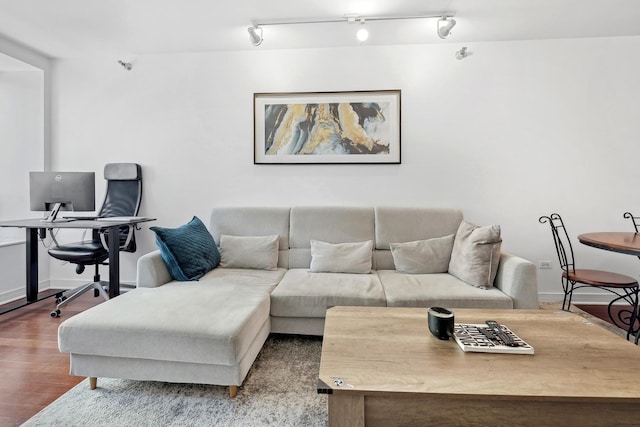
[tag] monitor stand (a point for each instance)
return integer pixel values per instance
(52, 217)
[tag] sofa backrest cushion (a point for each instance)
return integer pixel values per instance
(297, 226)
(352, 257)
(253, 221)
(407, 224)
(332, 224)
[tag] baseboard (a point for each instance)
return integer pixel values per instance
(579, 298)
(20, 292)
(72, 284)
(12, 295)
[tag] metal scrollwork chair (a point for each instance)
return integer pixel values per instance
(634, 219)
(624, 287)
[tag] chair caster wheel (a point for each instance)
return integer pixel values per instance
(60, 299)
(55, 313)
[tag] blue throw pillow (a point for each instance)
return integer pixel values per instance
(189, 251)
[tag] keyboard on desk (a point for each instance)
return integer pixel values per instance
(120, 218)
(80, 218)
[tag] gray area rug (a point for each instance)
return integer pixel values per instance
(280, 390)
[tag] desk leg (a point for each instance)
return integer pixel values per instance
(32, 264)
(114, 261)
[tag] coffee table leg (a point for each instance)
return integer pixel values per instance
(346, 410)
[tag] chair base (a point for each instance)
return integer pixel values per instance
(624, 318)
(75, 293)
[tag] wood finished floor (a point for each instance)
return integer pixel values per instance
(34, 373)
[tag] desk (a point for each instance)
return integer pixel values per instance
(33, 225)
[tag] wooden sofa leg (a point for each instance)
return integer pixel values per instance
(93, 383)
(233, 391)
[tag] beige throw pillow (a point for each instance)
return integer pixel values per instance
(476, 254)
(341, 257)
(423, 256)
(257, 252)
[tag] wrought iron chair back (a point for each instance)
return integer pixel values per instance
(634, 219)
(564, 249)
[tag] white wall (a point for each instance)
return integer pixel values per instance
(13, 267)
(514, 131)
(21, 133)
(24, 121)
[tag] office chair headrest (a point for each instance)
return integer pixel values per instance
(122, 171)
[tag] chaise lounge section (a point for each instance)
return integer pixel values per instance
(210, 331)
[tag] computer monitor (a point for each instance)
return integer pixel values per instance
(55, 191)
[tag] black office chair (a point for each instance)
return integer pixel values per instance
(122, 198)
(624, 287)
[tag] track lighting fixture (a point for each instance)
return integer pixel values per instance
(126, 65)
(255, 35)
(462, 53)
(363, 33)
(445, 25)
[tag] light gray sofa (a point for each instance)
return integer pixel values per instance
(210, 331)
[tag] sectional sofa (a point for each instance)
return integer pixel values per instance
(279, 270)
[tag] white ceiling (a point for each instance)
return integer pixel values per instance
(80, 28)
(8, 63)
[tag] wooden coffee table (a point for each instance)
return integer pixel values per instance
(382, 367)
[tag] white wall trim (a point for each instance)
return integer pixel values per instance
(579, 297)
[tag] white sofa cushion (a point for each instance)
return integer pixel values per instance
(428, 290)
(335, 224)
(255, 252)
(476, 254)
(253, 221)
(423, 256)
(404, 224)
(350, 257)
(394, 224)
(241, 279)
(184, 323)
(302, 293)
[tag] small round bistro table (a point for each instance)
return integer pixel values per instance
(625, 242)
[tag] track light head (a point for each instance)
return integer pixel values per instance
(126, 65)
(462, 53)
(255, 35)
(444, 26)
(362, 34)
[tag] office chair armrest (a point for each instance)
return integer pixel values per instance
(105, 245)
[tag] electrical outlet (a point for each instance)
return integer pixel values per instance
(544, 265)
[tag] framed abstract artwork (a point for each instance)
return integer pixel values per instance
(327, 127)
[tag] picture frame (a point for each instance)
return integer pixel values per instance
(351, 127)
